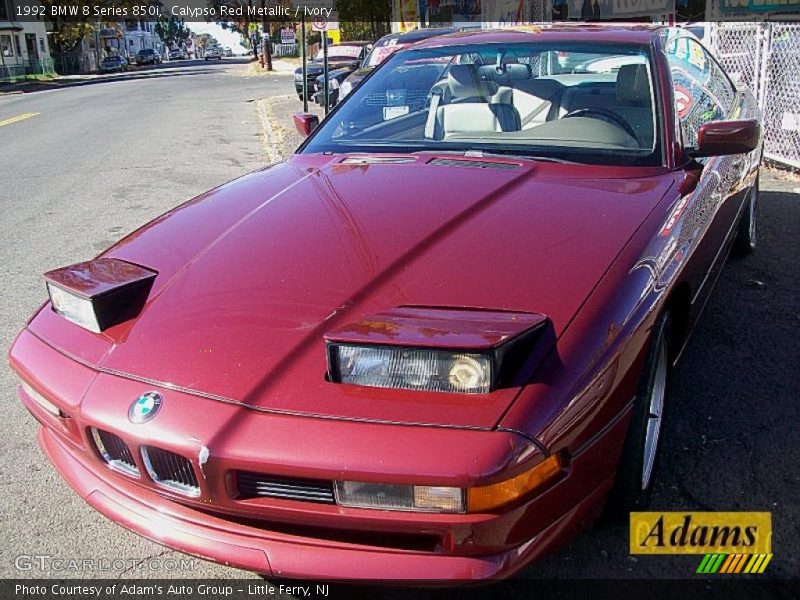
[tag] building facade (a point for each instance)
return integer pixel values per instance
(141, 35)
(24, 49)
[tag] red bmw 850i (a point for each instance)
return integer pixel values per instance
(433, 344)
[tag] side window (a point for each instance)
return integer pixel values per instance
(702, 91)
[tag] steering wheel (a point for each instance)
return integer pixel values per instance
(605, 115)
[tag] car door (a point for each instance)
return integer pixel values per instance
(703, 93)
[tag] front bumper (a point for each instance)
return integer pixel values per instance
(292, 538)
(255, 549)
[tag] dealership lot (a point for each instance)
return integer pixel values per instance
(92, 163)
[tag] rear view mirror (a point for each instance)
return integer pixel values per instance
(305, 123)
(721, 138)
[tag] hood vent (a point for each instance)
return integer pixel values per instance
(473, 164)
(378, 160)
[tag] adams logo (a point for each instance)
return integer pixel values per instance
(701, 533)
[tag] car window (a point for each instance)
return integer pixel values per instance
(381, 52)
(509, 98)
(702, 91)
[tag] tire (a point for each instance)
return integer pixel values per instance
(747, 236)
(639, 461)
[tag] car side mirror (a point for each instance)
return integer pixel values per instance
(305, 123)
(721, 138)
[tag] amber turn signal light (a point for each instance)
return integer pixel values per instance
(488, 497)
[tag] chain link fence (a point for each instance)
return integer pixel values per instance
(766, 58)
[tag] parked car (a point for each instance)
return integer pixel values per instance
(177, 54)
(383, 48)
(227, 52)
(213, 52)
(113, 63)
(347, 55)
(458, 357)
(148, 56)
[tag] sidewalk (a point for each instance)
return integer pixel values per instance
(279, 137)
(24, 87)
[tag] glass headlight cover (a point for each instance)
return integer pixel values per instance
(74, 308)
(420, 498)
(412, 368)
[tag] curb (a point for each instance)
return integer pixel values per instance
(272, 137)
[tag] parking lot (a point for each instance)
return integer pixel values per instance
(133, 148)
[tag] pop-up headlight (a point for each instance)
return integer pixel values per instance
(99, 293)
(412, 369)
(429, 349)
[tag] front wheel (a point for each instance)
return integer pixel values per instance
(637, 468)
(746, 237)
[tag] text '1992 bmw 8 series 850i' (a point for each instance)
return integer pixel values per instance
(433, 344)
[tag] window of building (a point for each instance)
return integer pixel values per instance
(18, 44)
(3, 11)
(5, 45)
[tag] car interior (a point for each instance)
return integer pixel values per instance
(508, 101)
(484, 101)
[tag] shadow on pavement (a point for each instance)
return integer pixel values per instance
(170, 69)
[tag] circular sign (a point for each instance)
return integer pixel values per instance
(683, 101)
(145, 407)
(320, 23)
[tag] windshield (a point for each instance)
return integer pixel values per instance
(334, 52)
(523, 99)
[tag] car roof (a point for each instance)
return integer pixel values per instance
(636, 33)
(417, 35)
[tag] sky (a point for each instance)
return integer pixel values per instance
(224, 37)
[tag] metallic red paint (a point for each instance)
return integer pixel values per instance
(727, 137)
(252, 276)
(426, 327)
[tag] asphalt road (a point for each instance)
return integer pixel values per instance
(99, 159)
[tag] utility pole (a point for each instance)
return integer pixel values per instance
(303, 50)
(325, 66)
(265, 28)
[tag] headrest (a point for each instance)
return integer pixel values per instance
(464, 82)
(633, 85)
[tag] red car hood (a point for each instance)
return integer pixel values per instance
(253, 274)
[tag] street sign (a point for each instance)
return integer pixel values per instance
(288, 36)
(329, 23)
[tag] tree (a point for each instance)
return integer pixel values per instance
(172, 31)
(364, 19)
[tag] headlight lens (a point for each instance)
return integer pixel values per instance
(420, 498)
(333, 84)
(74, 308)
(412, 369)
(298, 77)
(345, 89)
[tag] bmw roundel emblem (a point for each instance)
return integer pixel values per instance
(145, 407)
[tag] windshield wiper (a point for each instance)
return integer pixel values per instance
(516, 154)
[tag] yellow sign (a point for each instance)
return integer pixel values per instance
(700, 532)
